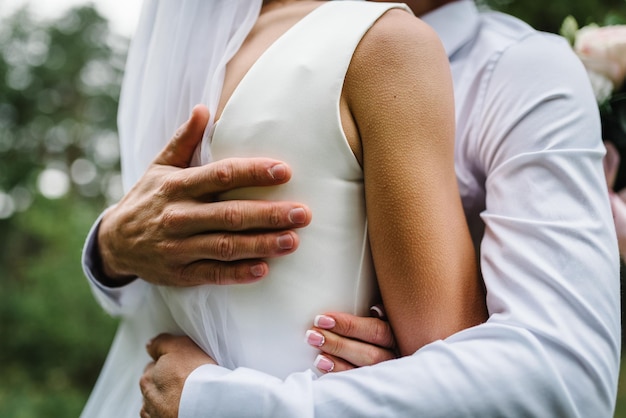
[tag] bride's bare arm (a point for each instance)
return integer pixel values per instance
(399, 92)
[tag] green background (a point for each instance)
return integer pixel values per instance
(59, 83)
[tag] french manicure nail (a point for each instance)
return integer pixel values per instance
(324, 363)
(377, 312)
(324, 322)
(297, 216)
(278, 172)
(314, 338)
(285, 242)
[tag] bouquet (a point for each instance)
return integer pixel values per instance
(602, 49)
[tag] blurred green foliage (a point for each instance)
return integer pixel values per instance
(58, 168)
(548, 15)
(59, 83)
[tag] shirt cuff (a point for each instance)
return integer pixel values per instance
(191, 399)
(212, 390)
(116, 300)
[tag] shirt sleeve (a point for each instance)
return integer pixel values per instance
(549, 260)
(549, 253)
(482, 372)
(117, 301)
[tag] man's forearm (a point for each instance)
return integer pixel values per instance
(487, 371)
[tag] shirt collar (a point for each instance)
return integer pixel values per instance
(455, 23)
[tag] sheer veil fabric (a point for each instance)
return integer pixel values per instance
(177, 60)
(156, 98)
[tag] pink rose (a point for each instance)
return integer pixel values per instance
(603, 51)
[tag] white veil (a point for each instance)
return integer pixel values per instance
(177, 59)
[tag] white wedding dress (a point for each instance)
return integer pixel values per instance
(287, 108)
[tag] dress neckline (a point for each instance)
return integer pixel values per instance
(262, 57)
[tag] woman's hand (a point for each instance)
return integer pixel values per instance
(349, 341)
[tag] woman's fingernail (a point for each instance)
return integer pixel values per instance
(324, 322)
(324, 364)
(314, 338)
(377, 312)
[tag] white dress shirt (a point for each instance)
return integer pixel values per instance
(529, 167)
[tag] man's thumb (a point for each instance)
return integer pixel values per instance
(180, 149)
(158, 346)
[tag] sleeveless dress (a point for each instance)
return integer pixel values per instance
(286, 107)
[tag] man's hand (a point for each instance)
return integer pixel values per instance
(169, 229)
(163, 379)
(349, 341)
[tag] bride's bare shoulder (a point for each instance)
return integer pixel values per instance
(398, 50)
(399, 33)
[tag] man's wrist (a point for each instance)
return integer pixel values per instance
(102, 274)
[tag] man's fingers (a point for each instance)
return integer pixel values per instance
(144, 413)
(149, 367)
(226, 258)
(146, 385)
(234, 216)
(223, 273)
(234, 247)
(148, 389)
(369, 330)
(221, 258)
(231, 259)
(213, 272)
(234, 173)
(158, 346)
(240, 215)
(179, 150)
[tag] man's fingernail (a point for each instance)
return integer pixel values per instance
(324, 363)
(257, 270)
(278, 172)
(324, 322)
(285, 242)
(297, 216)
(314, 338)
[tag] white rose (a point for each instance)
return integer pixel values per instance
(603, 50)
